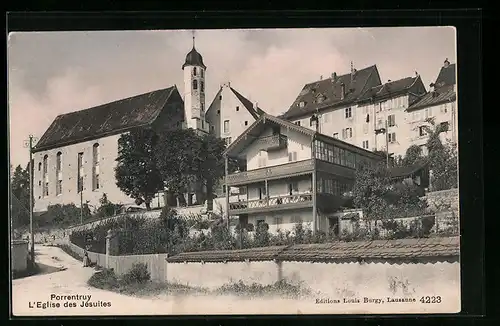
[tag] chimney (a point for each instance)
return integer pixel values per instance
(321, 77)
(353, 71)
(255, 105)
(446, 63)
(342, 91)
(334, 77)
(431, 85)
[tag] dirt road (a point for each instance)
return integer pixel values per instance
(46, 295)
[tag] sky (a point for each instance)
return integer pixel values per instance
(51, 73)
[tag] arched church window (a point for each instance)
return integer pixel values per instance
(195, 84)
(201, 73)
(202, 86)
(194, 71)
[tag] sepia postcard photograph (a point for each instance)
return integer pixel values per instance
(234, 172)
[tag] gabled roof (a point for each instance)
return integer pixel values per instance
(105, 119)
(447, 76)
(442, 95)
(256, 113)
(389, 89)
(331, 89)
(255, 130)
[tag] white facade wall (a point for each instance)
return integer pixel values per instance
(297, 143)
(108, 147)
(229, 109)
(445, 112)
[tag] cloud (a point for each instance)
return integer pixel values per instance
(29, 114)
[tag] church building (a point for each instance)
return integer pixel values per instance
(75, 158)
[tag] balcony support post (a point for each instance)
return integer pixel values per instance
(226, 167)
(267, 192)
(314, 197)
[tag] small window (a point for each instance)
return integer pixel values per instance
(302, 104)
(220, 97)
(392, 137)
(218, 111)
(195, 71)
(421, 131)
(348, 113)
(391, 120)
(202, 86)
(365, 144)
(212, 128)
(226, 126)
(40, 166)
(297, 123)
(195, 84)
(347, 133)
(237, 108)
(246, 123)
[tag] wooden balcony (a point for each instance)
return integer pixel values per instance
(271, 204)
(272, 143)
(273, 172)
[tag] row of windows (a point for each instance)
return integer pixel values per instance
(195, 85)
(44, 182)
(337, 155)
(195, 72)
(327, 185)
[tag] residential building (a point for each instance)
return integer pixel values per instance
(293, 174)
(231, 113)
(440, 103)
(383, 126)
(75, 158)
(329, 106)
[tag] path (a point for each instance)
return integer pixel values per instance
(72, 281)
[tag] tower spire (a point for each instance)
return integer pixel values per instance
(193, 38)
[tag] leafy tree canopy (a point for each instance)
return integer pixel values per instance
(136, 172)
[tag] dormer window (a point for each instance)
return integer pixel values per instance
(302, 104)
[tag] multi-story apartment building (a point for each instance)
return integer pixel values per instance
(293, 175)
(359, 109)
(231, 113)
(333, 102)
(383, 126)
(439, 104)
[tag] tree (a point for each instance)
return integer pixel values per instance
(443, 158)
(20, 190)
(178, 159)
(185, 158)
(136, 172)
(413, 155)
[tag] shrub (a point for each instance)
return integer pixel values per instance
(105, 279)
(137, 274)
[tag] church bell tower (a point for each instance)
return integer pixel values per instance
(194, 90)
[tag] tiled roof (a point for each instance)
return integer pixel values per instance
(254, 254)
(447, 76)
(403, 171)
(442, 95)
(391, 88)
(437, 248)
(256, 113)
(105, 119)
(331, 92)
(194, 58)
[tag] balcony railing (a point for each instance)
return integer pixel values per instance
(273, 172)
(273, 203)
(274, 142)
